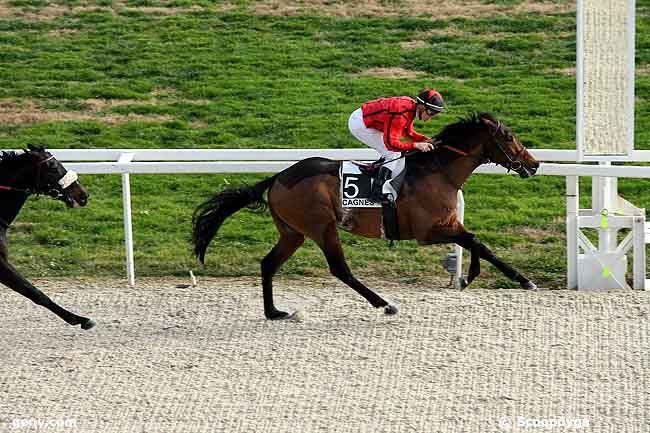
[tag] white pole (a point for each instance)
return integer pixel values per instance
(639, 256)
(460, 209)
(605, 196)
(580, 84)
(572, 207)
(128, 224)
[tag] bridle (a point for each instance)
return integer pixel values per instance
(513, 161)
(56, 191)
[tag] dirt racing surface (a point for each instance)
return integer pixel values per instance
(203, 359)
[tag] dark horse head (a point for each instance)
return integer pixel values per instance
(36, 171)
(486, 139)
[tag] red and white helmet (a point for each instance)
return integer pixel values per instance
(432, 100)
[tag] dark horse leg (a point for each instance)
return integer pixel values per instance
(10, 277)
(330, 244)
(478, 250)
(286, 246)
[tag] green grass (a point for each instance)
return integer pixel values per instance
(230, 79)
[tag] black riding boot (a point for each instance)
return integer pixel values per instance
(383, 174)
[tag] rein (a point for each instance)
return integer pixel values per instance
(413, 152)
(453, 149)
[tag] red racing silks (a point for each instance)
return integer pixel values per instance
(394, 117)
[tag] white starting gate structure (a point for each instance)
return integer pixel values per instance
(604, 133)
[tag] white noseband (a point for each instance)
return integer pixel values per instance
(69, 178)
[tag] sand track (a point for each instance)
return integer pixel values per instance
(164, 359)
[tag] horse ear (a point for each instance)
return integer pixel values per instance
(34, 148)
(492, 126)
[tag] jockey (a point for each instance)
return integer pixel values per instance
(380, 124)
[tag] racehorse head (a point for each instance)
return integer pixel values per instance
(485, 139)
(505, 149)
(36, 171)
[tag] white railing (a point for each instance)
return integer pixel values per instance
(172, 161)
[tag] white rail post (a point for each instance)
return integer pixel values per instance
(460, 209)
(126, 158)
(572, 208)
(639, 256)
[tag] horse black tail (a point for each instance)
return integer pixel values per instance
(209, 216)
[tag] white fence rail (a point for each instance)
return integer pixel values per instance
(185, 161)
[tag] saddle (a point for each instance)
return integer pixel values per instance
(388, 206)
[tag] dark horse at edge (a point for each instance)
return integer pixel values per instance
(305, 201)
(34, 171)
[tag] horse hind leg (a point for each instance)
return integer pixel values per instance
(330, 244)
(10, 277)
(281, 252)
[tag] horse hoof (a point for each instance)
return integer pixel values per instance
(88, 324)
(462, 283)
(296, 316)
(391, 310)
(529, 285)
(279, 315)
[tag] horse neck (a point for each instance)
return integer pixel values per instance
(460, 169)
(12, 202)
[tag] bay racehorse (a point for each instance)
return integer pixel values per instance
(305, 201)
(34, 171)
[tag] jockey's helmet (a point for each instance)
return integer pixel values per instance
(432, 101)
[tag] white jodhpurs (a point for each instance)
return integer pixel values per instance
(375, 140)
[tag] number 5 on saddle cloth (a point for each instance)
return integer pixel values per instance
(361, 186)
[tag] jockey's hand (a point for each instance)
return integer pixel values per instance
(423, 146)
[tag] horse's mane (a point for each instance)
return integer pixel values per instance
(8, 157)
(456, 135)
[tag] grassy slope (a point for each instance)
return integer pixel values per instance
(235, 80)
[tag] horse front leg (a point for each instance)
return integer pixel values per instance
(478, 249)
(456, 233)
(11, 278)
